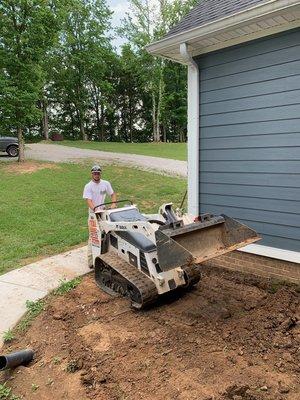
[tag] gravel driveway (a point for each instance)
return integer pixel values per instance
(58, 153)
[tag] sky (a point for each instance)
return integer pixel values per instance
(119, 7)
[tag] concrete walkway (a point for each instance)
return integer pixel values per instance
(59, 153)
(34, 281)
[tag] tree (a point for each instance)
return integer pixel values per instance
(80, 60)
(146, 23)
(27, 31)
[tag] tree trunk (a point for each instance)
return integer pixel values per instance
(130, 120)
(45, 124)
(102, 123)
(164, 133)
(82, 130)
(21, 145)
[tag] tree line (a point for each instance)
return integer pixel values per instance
(61, 74)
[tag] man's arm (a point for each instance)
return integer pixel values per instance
(113, 199)
(90, 204)
(87, 195)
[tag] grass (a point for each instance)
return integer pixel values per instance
(176, 151)
(67, 286)
(34, 387)
(72, 366)
(42, 212)
(34, 308)
(8, 336)
(56, 360)
(6, 393)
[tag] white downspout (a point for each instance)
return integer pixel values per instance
(193, 131)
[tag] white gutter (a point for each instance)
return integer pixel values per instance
(246, 16)
(193, 131)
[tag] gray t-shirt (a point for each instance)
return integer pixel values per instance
(97, 191)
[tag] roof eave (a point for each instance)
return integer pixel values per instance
(260, 11)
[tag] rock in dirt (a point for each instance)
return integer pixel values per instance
(87, 378)
(282, 388)
(264, 388)
(288, 324)
(235, 390)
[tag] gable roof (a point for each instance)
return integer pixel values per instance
(211, 10)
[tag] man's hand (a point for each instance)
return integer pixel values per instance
(113, 205)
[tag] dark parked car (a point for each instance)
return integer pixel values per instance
(9, 145)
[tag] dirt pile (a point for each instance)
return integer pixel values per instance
(225, 340)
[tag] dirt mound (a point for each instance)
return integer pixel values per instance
(225, 340)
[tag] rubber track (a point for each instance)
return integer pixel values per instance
(136, 278)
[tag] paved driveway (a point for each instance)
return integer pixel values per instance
(58, 153)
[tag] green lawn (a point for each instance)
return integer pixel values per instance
(42, 213)
(176, 151)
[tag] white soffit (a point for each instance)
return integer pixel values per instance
(262, 20)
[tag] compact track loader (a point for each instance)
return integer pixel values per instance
(143, 257)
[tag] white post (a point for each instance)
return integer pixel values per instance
(193, 131)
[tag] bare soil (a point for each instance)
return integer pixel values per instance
(230, 338)
(28, 167)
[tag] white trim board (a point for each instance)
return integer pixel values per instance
(193, 130)
(272, 252)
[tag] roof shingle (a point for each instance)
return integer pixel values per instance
(210, 10)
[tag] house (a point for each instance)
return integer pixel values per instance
(243, 59)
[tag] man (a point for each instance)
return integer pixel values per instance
(94, 193)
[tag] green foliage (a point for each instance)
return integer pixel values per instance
(8, 336)
(34, 387)
(56, 360)
(49, 382)
(163, 84)
(14, 397)
(51, 215)
(72, 366)
(59, 72)
(81, 62)
(5, 392)
(34, 308)
(67, 286)
(27, 30)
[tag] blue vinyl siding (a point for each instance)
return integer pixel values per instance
(250, 136)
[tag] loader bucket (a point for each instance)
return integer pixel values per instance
(201, 241)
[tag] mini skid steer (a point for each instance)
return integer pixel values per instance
(142, 256)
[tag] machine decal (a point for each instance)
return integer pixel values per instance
(94, 233)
